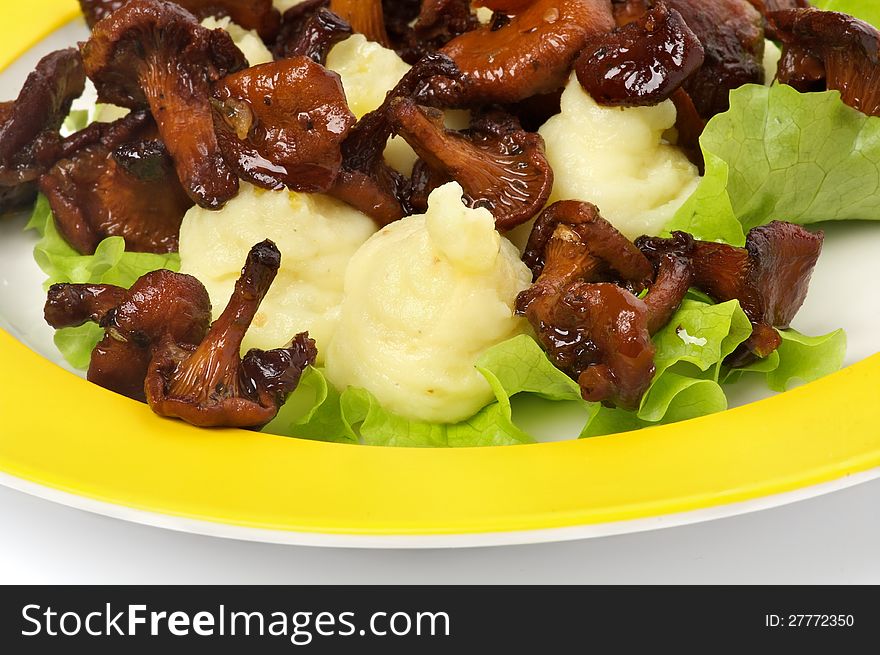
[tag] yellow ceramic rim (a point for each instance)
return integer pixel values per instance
(64, 433)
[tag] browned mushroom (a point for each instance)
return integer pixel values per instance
(607, 246)
(259, 15)
(505, 6)
(530, 55)
(311, 30)
(282, 124)
(364, 16)
(29, 126)
(499, 165)
(770, 276)
(400, 16)
(593, 329)
(209, 384)
(366, 181)
(122, 185)
(154, 53)
(827, 50)
(642, 63)
(440, 21)
(732, 35)
(160, 303)
(416, 29)
(766, 7)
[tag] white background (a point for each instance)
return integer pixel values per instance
(831, 539)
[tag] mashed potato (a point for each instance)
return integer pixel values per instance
(617, 159)
(369, 71)
(424, 298)
(317, 237)
(250, 43)
(772, 55)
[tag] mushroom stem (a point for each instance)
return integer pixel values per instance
(674, 277)
(365, 16)
(72, 305)
(601, 238)
(213, 368)
(180, 106)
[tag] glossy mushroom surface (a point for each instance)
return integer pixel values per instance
(124, 184)
(531, 54)
(641, 63)
(160, 304)
(365, 17)
(583, 306)
(366, 181)
(499, 165)
(209, 384)
(155, 54)
(311, 30)
(259, 15)
(732, 35)
(828, 50)
(770, 277)
(29, 126)
(282, 124)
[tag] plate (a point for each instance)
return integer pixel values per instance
(65, 439)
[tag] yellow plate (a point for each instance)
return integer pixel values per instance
(60, 432)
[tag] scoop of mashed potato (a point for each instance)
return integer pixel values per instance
(617, 159)
(250, 43)
(317, 237)
(424, 298)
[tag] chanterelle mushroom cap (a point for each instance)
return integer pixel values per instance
(641, 63)
(160, 304)
(124, 184)
(29, 139)
(770, 276)
(209, 385)
(732, 34)
(154, 53)
(259, 15)
(366, 181)
(592, 328)
(499, 165)
(311, 30)
(530, 55)
(826, 49)
(440, 21)
(766, 7)
(283, 123)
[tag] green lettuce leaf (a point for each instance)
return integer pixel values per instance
(690, 352)
(780, 154)
(799, 360)
(519, 366)
(111, 264)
